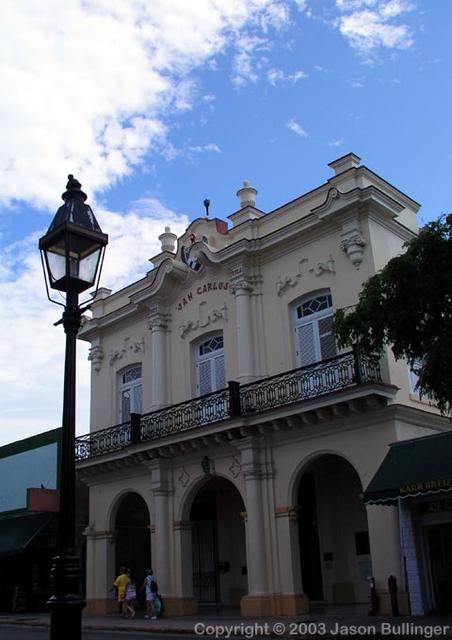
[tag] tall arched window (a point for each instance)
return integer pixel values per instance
(312, 320)
(130, 392)
(209, 363)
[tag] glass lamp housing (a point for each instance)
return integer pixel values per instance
(72, 257)
(74, 244)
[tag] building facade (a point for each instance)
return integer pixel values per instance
(231, 440)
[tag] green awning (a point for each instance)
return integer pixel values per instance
(413, 468)
(17, 532)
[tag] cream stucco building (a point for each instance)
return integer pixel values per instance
(230, 440)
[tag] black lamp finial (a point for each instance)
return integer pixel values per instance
(73, 189)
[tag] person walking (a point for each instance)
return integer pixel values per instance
(151, 588)
(120, 584)
(131, 595)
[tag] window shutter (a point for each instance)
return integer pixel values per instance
(220, 381)
(327, 340)
(125, 405)
(205, 377)
(306, 344)
(137, 398)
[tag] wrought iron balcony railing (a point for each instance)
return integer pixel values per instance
(341, 372)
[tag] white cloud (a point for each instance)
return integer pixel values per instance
(357, 84)
(277, 75)
(209, 148)
(296, 127)
(32, 349)
(91, 85)
(336, 143)
(245, 66)
(370, 25)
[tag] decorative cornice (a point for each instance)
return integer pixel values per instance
(337, 201)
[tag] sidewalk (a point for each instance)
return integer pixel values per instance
(330, 621)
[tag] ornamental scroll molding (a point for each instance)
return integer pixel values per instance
(129, 345)
(204, 318)
(283, 283)
(95, 356)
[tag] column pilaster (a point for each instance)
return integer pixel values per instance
(100, 563)
(243, 288)
(257, 602)
(292, 599)
(158, 321)
(384, 538)
(162, 490)
(183, 602)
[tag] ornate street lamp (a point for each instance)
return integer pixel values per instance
(72, 254)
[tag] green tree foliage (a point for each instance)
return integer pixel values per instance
(408, 305)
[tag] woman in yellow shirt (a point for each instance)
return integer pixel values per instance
(121, 583)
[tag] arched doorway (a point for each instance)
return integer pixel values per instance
(218, 544)
(132, 536)
(333, 532)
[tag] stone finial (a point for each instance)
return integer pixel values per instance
(168, 240)
(247, 195)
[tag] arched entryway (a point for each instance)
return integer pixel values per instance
(132, 535)
(333, 532)
(218, 544)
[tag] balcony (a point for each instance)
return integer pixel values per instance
(237, 401)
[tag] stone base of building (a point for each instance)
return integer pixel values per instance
(384, 603)
(274, 605)
(180, 606)
(101, 606)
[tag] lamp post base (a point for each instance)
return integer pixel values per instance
(65, 605)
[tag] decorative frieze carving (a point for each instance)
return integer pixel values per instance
(204, 318)
(283, 283)
(324, 267)
(134, 346)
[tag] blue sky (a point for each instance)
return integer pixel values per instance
(156, 105)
